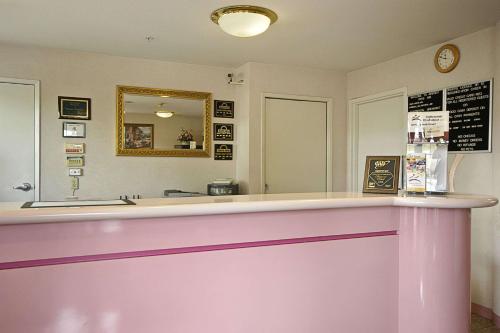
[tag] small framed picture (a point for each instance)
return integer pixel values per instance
(74, 108)
(73, 130)
(139, 136)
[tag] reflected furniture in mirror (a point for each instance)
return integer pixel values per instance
(162, 122)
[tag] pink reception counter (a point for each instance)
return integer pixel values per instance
(315, 262)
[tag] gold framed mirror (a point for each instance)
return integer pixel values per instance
(162, 122)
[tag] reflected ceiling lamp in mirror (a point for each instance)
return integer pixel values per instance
(162, 113)
(243, 20)
(153, 122)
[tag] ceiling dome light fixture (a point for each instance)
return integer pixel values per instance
(244, 21)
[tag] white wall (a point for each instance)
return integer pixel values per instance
(265, 78)
(416, 72)
(65, 73)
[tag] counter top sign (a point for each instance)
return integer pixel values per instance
(381, 174)
(470, 109)
(223, 109)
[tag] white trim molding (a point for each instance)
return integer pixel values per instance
(352, 130)
(329, 134)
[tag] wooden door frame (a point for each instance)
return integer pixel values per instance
(36, 106)
(329, 134)
(353, 130)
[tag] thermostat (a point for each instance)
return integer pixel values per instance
(74, 161)
(76, 172)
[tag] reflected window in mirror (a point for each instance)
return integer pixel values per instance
(163, 122)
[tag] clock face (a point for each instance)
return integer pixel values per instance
(446, 58)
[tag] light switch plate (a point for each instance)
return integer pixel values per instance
(74, 161)
(74, 148)
(76, 172)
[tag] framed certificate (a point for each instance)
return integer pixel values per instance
(223, 152)
(73, 130)
(74, 108)
(381, 174)
(223, 132)
(224, 109)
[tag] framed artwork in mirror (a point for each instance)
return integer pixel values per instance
(163, 122)
(139, 136)
(74, 108)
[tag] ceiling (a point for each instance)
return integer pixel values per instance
(150, 104)
(330, 34)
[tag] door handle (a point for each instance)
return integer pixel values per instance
(24, 187)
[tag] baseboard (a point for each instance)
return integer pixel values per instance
(485, 313)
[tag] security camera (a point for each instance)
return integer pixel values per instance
(230, 77)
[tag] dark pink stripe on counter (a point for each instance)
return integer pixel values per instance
(180, 250)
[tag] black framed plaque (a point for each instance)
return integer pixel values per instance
(223, 132)
(223, 152)
(381, 174)
(223, 109)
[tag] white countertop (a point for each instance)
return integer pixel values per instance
(11, 212)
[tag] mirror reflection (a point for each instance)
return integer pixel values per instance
(163, 122)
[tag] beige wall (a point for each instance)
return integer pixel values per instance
(475, 175)
(67, 73)
(416, 70)
(242, 133)
(64, 73)
(287, 80)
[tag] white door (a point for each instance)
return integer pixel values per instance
(18, 140)
(381, 130)
(296, 148)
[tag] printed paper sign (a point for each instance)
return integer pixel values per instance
(428, 127)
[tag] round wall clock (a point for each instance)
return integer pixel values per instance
(447, 58)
